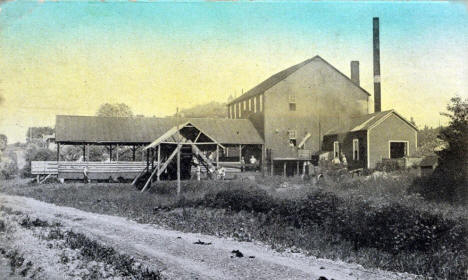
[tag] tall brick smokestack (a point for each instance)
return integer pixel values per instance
(377, 95)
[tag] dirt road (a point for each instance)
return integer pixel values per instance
(176, 255)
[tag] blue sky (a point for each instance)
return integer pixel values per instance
(70, 57)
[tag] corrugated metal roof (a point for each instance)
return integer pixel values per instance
(139, 130)
(278, 77)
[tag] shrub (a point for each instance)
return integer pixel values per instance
(36, 153)
(8, 168)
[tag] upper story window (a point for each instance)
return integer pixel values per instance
(234, 106)
(255, 104)
(240, 109)
(355, 149)
(292, 102)
(292, 137)
(245, 105)
(249, 101)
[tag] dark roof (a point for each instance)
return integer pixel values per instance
(139, 130)
(429, 160)
(365, 122)
(278, 77)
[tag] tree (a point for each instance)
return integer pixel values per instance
(449, 180)
(208, 110)
(114, 110)
(3, 142)
(39, 132)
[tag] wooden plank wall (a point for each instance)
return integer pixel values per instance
(44, 167)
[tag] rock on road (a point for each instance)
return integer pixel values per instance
(176, 255)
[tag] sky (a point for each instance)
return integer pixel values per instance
(69, 57)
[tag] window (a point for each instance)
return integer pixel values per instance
(235, 111)
(355, 149)
(245, 105)
(292, 137)
(255, 104)
(336, 149)
(292, 102)
(398, 149)
(240, 109)
(250, 104)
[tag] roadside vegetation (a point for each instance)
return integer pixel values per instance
(369, 220)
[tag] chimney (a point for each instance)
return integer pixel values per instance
(377, 96)
(355, 72)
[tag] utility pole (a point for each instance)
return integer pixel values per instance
(178, 154)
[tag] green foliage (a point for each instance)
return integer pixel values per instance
(427, 141)
(114, 110)
(8, 168)
(3, 142)
(449, 181)
(38, 132)
(36, 153)
(369, 220)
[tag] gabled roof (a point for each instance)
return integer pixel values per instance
(280, 76)
(140, 130)
(366, 122)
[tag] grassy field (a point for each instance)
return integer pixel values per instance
(368, 220)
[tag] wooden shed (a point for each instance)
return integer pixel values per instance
(367, 140)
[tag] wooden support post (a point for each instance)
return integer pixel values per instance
(117, 152)
(178, 168)
(133, 152)
(240, 153)
(142, 155)
(38, 178)
(152, 158)
(110, 152)
(284, 169)
(272, 167)
(161, 170)
(84, 152)
(298, 172)
(58, 152)
(87, 152)
(147, 158)
(263, 161)
(217, 156)
(159, 159)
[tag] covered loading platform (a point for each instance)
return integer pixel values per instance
(135, 133)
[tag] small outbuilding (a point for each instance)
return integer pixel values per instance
(428, 164)
(367, 140)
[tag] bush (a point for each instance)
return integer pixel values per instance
(8, 168)
(36, 153)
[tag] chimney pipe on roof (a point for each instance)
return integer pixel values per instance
(376, 41)
(355, 72)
